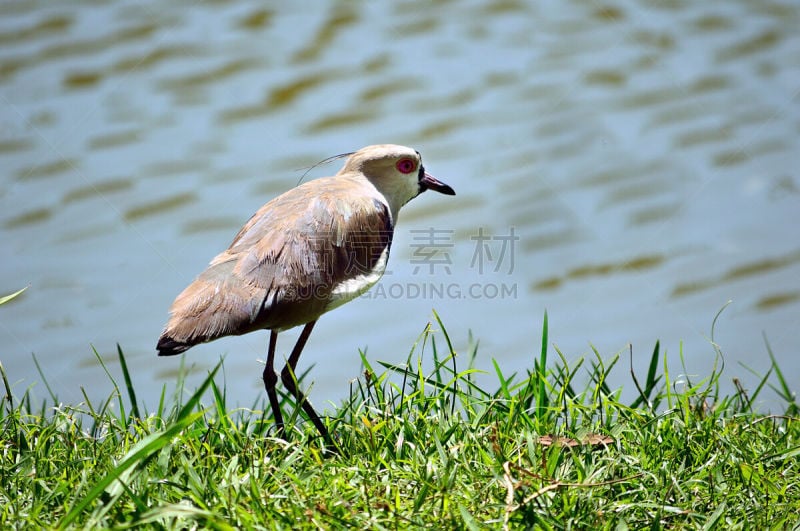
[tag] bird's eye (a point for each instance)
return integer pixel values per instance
(405, 165)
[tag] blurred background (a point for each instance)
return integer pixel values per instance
(628, 166)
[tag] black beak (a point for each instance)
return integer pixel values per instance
(429, 182)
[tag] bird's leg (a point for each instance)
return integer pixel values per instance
(270, 381)
(290, 381)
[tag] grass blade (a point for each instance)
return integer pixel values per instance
(542, 394)
(128, 384)
(14, 295)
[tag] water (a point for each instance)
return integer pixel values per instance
(629, 166)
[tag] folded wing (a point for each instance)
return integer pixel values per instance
(283, 266)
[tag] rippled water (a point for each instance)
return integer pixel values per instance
(628, 166)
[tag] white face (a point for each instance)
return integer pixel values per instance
(393, 170)
(396, 172)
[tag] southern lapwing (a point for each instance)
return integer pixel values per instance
(302, 254)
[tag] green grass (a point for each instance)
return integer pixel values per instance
(416, 449)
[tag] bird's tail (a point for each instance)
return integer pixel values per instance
(169, 347)
(218, 303)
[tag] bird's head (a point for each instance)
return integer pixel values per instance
(396, 171)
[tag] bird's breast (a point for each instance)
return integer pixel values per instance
(357, 284)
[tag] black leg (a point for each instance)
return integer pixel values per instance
(290, 381)
(270, 381)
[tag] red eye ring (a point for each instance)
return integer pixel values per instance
(406, 165)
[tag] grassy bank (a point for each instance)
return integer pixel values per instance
(415, 450)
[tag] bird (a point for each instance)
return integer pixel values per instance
(302, 254)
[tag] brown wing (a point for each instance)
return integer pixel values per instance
(282, 266)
